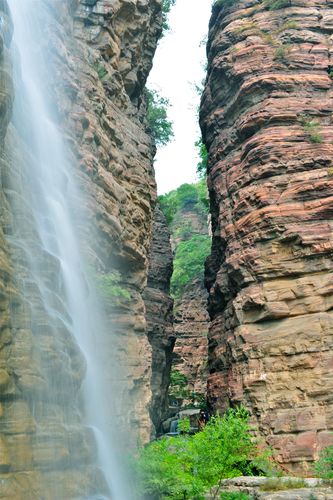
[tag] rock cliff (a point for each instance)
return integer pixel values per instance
(159, 313)
(99, 56)
(266, 117)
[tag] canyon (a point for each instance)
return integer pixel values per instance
(266, 119)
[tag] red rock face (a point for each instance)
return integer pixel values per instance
(267, 121)
(159, 315)
(191, 326)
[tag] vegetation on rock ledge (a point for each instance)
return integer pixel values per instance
(186, 466)
(160, 126)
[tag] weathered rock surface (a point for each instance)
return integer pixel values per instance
(191, 319)
(103, 51)
(159, 314)
(191, 348)
(267, 121)
(286, 488)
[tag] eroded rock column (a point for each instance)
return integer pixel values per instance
(267, 121)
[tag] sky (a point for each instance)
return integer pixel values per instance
(178, 67)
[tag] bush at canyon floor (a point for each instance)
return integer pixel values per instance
(189, 466)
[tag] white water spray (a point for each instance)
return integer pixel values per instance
(53, 193)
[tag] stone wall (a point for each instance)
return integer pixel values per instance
(266, 117)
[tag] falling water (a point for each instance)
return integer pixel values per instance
(68, 303)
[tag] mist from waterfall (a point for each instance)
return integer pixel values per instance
(51, 193)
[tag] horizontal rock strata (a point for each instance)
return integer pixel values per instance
(159, 314)
(99, 56)
(267, 121)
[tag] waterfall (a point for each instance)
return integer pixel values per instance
(53, 280)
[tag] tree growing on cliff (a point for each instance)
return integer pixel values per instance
(166, 7)
(203, 159)
(157, 117)
(185, 466)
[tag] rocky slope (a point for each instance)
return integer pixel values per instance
(266, 117)
(103, 51)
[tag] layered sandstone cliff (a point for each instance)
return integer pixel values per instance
(266, 117)
(191, 319)
(159, 313)
(99, 55)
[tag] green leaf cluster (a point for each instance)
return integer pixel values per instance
(324, 465)
(230, 495)
(224, 3)
(312, 129)
(189, 262)
(184, 466)
(203, 155)
(178, 387)
(109, 285)
(157, 117)
(187, 195)
(277, 4)
(166, 7)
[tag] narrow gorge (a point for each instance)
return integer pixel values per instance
(112, 320)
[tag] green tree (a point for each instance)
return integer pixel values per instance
(160, 126)
(324, 465)
(166, 7)
(190, 466)
(189, 262)
(203, 159)
(194, 195)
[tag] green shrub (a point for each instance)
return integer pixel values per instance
(100, 69)
(281, 53)
(324, 465)
(224, 3)
(189, 262)
(230, 495)
(312, 129)
(166, 7)
(157, 117)
(203, 159)
(277, 4)
(109, 285)
(277, 484)
(184, 467)
(178, 387)
(187, 195)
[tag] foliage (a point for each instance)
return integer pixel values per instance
(281, 52)
(178, 384)
(189, 262)
(224, 3)
(166, 7)
(189, 466)
(277, 4)
(100, 69)
(184, 425)
(312, 129)
(324, 465)
(275, 484)
(230, 495)
(109, 286)
(186, 195)
(160, 126)
(203, 155)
